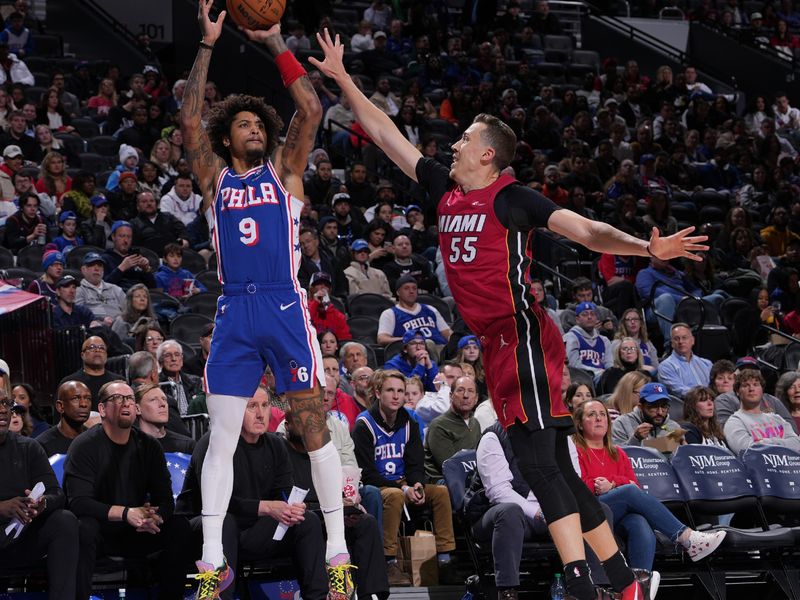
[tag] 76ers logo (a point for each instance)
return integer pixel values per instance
(297, 372)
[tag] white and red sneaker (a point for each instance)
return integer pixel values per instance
(701, 544)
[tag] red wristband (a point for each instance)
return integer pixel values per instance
(289, 68)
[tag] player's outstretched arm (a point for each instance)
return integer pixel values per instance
(377, 125)
(204, 163)
(292, 158)
(602, 237)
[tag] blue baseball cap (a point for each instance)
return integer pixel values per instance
(412, 334)
(653, 392)
(585, 306)
(118, 224)
(467, 340)
(412, 207)
(359, 245)
(98, 200)
(67, 214)
(92, 258)
(51, 257)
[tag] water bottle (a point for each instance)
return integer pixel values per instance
(557, 588)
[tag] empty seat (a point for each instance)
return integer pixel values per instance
(193, 261)
(187, 328)
(586, 57)
(210, 279)
(34, 93)
(87, 128)
(30, 257)
(204, 303)
(94, 163)
(47, 45)
(363, 328)
(370, 305)
(6, 258)
(557, 42)
(104, 145)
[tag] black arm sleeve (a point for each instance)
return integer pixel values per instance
(519, 207)
(435, 178)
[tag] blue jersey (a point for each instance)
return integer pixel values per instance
(389, 447)
(591, 356)
(256, 228)
(424, 321)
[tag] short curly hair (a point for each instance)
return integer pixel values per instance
(221, 118)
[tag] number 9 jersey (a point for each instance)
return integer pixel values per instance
(262, 316)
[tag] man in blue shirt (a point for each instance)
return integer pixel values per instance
(667, 298)
(683, 370)
(414, 360)
(67, 313)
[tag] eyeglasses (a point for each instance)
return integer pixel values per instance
(628, 349)
(120, 398)
(363, 377)
(95, 348)
(152, 338)
(171, 355)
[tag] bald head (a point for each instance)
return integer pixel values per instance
(73, 403)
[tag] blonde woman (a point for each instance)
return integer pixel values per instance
(106, 99)
(53, 178)
(161, 155)
(627, 358)
(632, 325)
(626, 395)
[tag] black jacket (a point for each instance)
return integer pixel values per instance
(127, 279)
(156, 234)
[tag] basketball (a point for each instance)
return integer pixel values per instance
(256, 14)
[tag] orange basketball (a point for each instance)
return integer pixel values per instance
(256, 14)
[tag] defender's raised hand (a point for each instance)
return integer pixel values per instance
(211, 30)
(333, 65)
(677, 245)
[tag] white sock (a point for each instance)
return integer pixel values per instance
(326, 472)
(216, 480)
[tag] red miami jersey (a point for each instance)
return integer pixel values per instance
(486, 263)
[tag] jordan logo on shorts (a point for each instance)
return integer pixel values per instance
(503, 342)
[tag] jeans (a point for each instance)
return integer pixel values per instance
(637, 514)
(372, 502)
(665, 305)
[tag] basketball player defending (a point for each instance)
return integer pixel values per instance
(485, 221)
(253, 206)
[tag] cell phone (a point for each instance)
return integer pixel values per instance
(136, 251)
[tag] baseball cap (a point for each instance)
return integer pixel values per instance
(98, 200)
(81, 64)
(646, 158)
(321, 277)
(67, 214)
(12, 151)
(611, 101)
(746, 362)
(359, 245)
(378, 34)
(92, 258)
(411, 335)
(756, 16)
(340, 197)
(325, 220)
(412, 207)
(585, 306)
(51, 257)
(4, 370)
(117, 224)
(467, 340)
(66, 280)
(404, 279)
(127, 175)
(653, 392)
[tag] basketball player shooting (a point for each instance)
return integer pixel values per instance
(485, 221)
(253, 205)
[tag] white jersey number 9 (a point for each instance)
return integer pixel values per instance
(249, 229)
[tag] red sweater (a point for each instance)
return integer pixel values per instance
(345, 404)
(329, 319)
(598, 463)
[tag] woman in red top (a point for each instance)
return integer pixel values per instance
(607, 471)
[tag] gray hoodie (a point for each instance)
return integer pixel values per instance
(623, 427)
(591, 353)
(728, 403)
(743, 429)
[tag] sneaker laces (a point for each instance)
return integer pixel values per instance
(341, 581)
(209, 583)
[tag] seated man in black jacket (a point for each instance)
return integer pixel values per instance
(262, 481)
(118, 486)
(407, 263)
(125, 267)
(153, 411)
(73, 403)
(154, 229)
(50, 531)
(390, 454)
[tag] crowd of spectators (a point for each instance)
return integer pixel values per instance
(406, 388)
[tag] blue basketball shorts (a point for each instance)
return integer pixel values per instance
(257, 325)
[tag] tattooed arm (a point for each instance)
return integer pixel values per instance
(291, 158)
(204, 163)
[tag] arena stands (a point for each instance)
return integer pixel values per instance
(95, 186)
